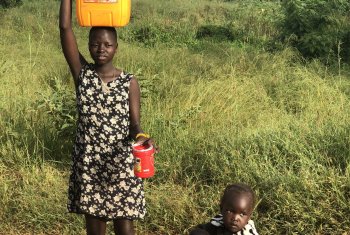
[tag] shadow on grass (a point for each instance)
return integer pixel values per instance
(215, 32)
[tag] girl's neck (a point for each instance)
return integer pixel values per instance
(106, 69)
(107, 73)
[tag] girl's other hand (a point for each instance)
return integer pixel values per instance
(147, 141)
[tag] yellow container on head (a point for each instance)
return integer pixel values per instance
(114, 13)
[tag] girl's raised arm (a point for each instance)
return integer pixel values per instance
(68, 42)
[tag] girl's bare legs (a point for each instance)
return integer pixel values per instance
(95, 226)
(123, 227)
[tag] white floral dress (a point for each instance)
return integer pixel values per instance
(102, 181)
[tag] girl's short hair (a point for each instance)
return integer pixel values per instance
(238, 189)
(109, 29)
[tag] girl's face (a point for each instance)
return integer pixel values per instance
(102, 46)
(236, 210)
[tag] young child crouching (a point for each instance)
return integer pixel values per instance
(236, 207)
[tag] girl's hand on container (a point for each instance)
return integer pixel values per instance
(147, 141)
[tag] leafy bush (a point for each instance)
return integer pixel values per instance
(59, 104)
(10, 3)
(317, 28)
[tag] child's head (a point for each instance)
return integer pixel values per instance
(237, 204)
(102, 44)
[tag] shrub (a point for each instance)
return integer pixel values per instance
(10, 3)
(317, 28)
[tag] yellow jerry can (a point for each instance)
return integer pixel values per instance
(115, 13)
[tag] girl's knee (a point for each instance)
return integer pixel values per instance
(95, 226)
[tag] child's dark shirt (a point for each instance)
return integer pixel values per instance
(216, 227)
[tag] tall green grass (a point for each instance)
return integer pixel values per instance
(222, 103)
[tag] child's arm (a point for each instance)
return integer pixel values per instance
(69, 45)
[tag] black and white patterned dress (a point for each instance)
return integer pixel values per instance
(102, 181)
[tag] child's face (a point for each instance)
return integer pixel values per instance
(102, 46)
(236, 210)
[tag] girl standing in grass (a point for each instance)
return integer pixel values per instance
(102, 184)
(236, 206)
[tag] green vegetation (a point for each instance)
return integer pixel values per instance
(10, 3)
(318, 28)
(225, 100)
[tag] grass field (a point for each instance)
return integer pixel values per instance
(223, 99)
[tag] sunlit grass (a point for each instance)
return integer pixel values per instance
(221, 112)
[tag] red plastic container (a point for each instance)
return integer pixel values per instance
(144, 158)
